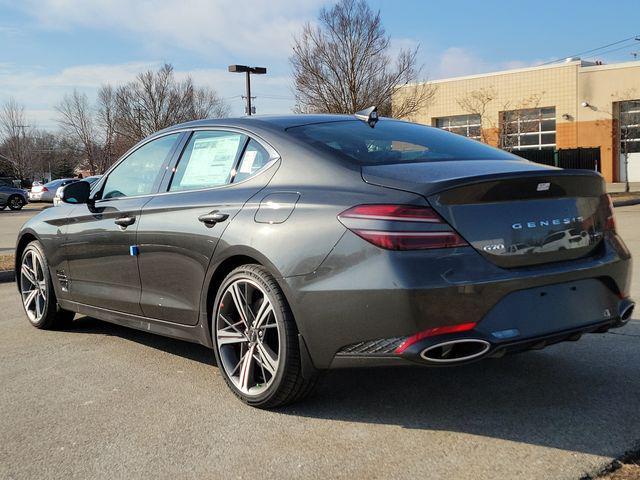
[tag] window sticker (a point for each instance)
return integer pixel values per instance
(211, 161)
(248, 160)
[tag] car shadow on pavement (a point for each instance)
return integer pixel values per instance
(580, 396)
(577, 401)
(191, 351)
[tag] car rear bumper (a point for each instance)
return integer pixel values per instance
(364, 295)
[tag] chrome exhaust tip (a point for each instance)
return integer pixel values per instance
(625, 310)
(455, 351)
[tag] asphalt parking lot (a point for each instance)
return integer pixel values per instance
(102, 401)
(11, 221)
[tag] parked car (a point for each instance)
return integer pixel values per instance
(46, 192)
(12, 197)
(57, 198)
(295, 244)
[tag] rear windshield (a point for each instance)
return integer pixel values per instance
(394, 142)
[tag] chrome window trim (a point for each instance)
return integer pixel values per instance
(273, 155)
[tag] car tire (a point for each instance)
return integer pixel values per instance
(36, 290)
(245, 350)
(15, 202)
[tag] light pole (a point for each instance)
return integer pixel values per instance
(248, 70)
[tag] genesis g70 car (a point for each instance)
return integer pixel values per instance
(295, 244)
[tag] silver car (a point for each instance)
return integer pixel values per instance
(46, 192)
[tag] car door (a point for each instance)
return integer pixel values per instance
(100, 243)
(216, 174)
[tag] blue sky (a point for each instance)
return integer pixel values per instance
(49, 47)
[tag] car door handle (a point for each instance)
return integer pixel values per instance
(210, 219)
(125, 222)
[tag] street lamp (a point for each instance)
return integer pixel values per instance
(248, 70)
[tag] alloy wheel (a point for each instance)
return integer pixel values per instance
(248, 337)
(33, 286)
(15, 203)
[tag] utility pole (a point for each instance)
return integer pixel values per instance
(20, 144)
(248, 71)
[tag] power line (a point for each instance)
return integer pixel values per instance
(631, 45)
(634, 37)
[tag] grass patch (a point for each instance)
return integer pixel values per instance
(6, 262)
(626, 467)
(625, 472)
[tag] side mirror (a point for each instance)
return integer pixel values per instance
(76, 192)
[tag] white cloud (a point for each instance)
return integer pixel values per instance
(244, 27)
(458, 61)
(40, 91)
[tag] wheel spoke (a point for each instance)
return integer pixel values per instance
(38, 306)
(28, 274)
(267, 357)
(231, 325)
(37, 268)
(263, 313)
(30, 298)
(247, 303)
(246, 370)
(225, 338)
(237, 300)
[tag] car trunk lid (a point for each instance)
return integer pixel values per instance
(514, 213)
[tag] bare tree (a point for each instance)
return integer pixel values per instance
(77, 121)
(512, 120)
(156, 100)
(344, 65)
(106, 117)
(16, 135)
(477, 102)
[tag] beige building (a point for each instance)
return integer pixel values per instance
(554, 107)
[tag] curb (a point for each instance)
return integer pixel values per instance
(7, 276)
(626, 203)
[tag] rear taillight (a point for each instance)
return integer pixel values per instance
(400, 227)
(611, 219)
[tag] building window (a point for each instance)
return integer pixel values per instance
(630, 126)
(528, 129)
(465, 125)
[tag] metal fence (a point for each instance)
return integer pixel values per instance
(586, 158)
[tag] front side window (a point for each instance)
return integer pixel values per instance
(528, 129)
(137, 174)
(392, 141)
(208, 160)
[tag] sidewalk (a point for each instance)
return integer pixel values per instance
(619, 187)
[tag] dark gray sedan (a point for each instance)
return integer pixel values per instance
(295, 244)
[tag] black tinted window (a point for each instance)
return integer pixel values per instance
(394, 142)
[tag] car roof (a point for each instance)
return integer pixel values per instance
(280, 122)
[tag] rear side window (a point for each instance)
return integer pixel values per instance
(208, 160)
(254, 158)
(394, 142)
